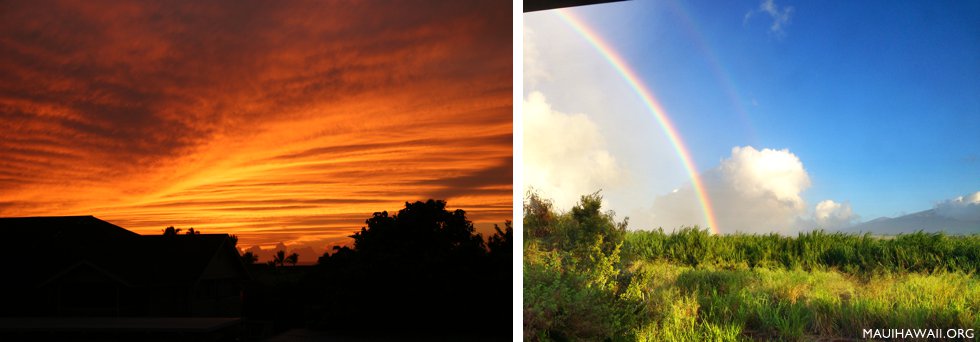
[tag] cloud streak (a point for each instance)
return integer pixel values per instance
(268, 120)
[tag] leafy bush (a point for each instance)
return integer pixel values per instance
(572, 268)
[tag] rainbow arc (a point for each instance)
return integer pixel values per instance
(652, 104)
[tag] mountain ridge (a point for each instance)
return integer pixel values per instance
(927, 221)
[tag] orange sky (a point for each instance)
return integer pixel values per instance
(276, 121)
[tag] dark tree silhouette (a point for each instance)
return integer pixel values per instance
(249, 258)
(280, 258)
(421, 231)
(171, 231)
(502, 243)
(422, 259)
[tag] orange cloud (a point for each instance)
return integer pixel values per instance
(278, 122)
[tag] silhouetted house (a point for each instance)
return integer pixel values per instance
(83, 266)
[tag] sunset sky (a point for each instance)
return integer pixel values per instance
(277, 121)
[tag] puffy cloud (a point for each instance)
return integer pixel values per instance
(751, 191)
(830, 215)
(780, 17)
(565, 155)
(768, 173)
(966, 208)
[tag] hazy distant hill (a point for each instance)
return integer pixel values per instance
(927, 220)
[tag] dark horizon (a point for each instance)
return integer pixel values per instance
(100, 279)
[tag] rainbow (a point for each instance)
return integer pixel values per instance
(652, 104)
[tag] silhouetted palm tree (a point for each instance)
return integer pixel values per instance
(280, 258)
(292, 259)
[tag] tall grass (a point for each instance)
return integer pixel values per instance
(780, 304)
(850, 253)
(588, 279)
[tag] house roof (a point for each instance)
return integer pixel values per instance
(40, 248)
(37, 230)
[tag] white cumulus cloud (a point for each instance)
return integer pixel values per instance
(966, 208)
(751, 191)
(565, 155)
(830, 215)
(776, 174)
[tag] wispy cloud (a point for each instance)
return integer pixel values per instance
(780, 16)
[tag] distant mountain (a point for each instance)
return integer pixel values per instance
(927, 221)
(880, 219)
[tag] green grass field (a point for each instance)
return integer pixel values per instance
(586, 278)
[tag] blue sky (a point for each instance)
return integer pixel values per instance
(879, 101)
